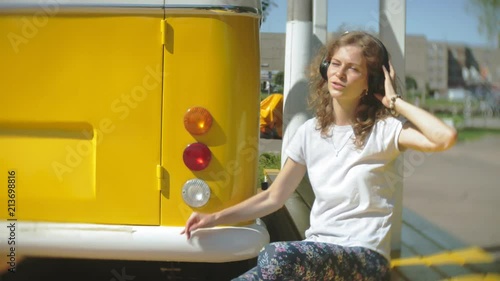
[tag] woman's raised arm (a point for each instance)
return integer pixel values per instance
(424, 131)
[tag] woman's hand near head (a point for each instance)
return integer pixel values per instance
(424, 131)
(389, 84)
(196, 221)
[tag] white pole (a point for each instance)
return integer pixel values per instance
(297, 59)
(392, 30)
(320, 23)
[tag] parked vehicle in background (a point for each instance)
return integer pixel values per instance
(271, 117)
(457, 94)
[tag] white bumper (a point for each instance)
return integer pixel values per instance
(151, 243)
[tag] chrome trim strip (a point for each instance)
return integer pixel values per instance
(53, 8)
(121, 8)
(226, 8)
(240, 3)
(112, 3)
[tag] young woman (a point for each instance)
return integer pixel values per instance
(348, 150)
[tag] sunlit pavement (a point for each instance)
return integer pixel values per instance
(458, 190)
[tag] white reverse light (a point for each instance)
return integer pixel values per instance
(195, 193)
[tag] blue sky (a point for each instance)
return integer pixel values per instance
(438, 20)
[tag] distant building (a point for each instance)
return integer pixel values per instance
(272, 51)
(435, 66)
(416, 67)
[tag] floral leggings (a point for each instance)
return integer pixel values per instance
(306, 260)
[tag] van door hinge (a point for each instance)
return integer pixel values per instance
(163, 32)
(159, 176)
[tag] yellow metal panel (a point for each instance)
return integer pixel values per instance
(211, 61)
(80, 102)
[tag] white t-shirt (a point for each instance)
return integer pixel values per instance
(354, 195)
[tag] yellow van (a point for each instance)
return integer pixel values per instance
(118, 118)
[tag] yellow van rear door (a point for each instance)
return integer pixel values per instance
(80, 111)
(211, 61)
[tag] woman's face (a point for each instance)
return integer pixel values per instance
(347, 73)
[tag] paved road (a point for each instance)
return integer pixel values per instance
(459, 190)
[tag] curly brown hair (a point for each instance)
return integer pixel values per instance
(369, 109)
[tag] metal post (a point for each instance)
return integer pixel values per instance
(392, 29)
(320, 22)
(297, 59)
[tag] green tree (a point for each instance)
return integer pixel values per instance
(279, 79)
(488, 12)
(411, 83)
(266, 6)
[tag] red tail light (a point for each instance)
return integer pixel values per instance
(197, 156)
